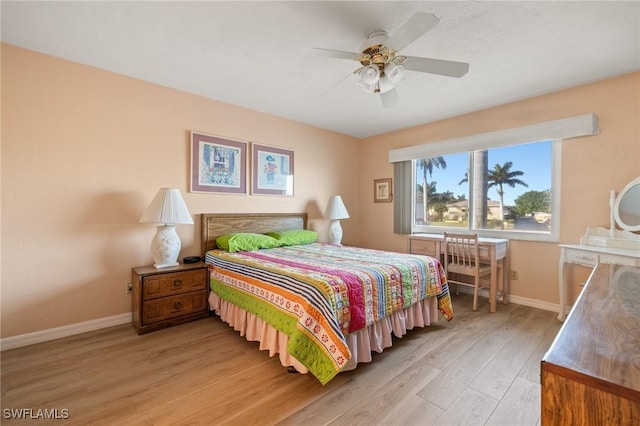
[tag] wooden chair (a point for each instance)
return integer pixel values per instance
(461, 258)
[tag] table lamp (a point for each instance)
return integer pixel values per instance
(335, 211)
(168, 209)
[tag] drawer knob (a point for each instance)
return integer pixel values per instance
(177, 283)
(177, 306)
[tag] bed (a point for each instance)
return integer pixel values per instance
(321, 308)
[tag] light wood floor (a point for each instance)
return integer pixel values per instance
(480, 368)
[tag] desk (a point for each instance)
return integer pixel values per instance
(491, 250)
(590, 256)
(590, 374)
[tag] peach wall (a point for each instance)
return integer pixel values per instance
(83, 153)
(591, 167)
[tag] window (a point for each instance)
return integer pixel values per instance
(507, 190)
(530, 209)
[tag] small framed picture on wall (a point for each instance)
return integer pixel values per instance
(218, 164)
(382, 190)
(272, 170)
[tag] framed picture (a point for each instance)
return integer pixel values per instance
(382, 190)
(272, 170)
(218, 164)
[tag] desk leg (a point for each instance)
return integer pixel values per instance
(562, 286)
(506, 270)
(494, 281)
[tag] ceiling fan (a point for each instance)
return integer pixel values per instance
(383, 67)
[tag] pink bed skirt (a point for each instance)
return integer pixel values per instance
(362, 343)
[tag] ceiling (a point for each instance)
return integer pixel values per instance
(258, 54)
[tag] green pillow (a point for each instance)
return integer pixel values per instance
(295, 237)
(244, 241)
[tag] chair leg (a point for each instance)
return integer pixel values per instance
(475, 293)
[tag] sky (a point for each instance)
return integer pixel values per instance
(533, 159)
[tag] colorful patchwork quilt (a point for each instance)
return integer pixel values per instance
(317, 293)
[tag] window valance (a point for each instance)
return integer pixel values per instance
(581, 125)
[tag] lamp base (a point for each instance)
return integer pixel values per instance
(165, 247)
(335, 233)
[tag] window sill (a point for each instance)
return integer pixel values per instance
(487, 233)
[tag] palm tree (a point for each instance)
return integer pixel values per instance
(431, 188)
(480, 188)
(502, 175)
(427, 165)
(465, 179)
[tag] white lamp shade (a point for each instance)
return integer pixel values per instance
(369, 88)
(167, 207)
(385, 85)
(370, 74)
(394, 73)
(336, 209)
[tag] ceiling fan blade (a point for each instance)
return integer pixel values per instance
(332, 87)
(340, 54)
(415, 27)
(436, 66)
(390, 98)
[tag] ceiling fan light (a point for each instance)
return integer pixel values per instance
(369, 74)
(394, 73)
(385, 84)
(369, 88)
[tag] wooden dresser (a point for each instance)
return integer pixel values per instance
(168, 296)
(591, 373)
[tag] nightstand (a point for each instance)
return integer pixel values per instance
(168, 296)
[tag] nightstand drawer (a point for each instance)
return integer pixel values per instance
(424, 247)
(167, 297)
(155, 286)
(174, 306)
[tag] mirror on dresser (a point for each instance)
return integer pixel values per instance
(626, 209)
(625, 213)
(609, 246)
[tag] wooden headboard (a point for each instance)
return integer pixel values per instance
(217, 224)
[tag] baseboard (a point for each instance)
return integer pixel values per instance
(64, 331)
(535, 303)
(83, 327)
(518, 300)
